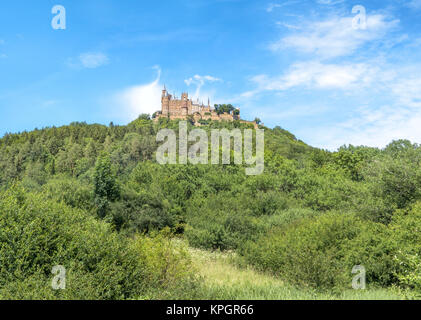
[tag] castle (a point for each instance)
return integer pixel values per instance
(183, 108)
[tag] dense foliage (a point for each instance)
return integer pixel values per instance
(91, 197)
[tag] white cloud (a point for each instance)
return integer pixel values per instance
(407, 91)
(89, 60)
(381, 99)
(200, 79)
(329, 2)
(374, 124)
(199, 82)
(374, 128)
(129, 103)
(335, 37)
(272, 6)
(316, 75)
(288, 26)
(145, 98)
(93, 60)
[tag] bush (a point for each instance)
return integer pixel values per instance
(287, 218)
(215, 237)
(37, 234)
(406, 236)
(143, 212)
(70, 191)
(315, 252)
(170, 270)
(326, 190)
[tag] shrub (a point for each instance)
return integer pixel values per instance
(143, 212)
(289, 217)
(37, 234)
(170, 270)
(405, 228)
(313, 252)
(70, 191)
(267, 204)
(214, 237)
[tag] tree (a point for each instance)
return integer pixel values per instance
(224, 108)
(106, 188)
(144, 116)
(108, 144)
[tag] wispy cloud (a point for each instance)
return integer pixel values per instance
(316, 75)
(93, 60)
(370, 127)
(330, 2)
(271, 6)
(199, 82)
(288, 26)
(138, 99)
(89, 60)
(335, 37)
(374, 100)
(368, 121)
(407, 90)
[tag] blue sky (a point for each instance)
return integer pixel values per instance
(310, 67)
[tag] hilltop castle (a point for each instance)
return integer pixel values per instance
(174, 108)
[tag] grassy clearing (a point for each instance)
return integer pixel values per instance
(224, 279)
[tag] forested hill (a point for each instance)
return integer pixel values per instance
(81, 195)
(73, 149)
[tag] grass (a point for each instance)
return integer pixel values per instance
(225, 280)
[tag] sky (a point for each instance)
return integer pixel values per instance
(332, 72)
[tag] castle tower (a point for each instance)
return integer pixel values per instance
(184, 104)
(165, 102)
(184, 96)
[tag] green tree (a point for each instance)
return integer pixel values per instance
(222, 108)
(106, 188)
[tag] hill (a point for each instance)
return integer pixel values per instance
(308, 220)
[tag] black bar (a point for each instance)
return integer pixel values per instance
(212, 309)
